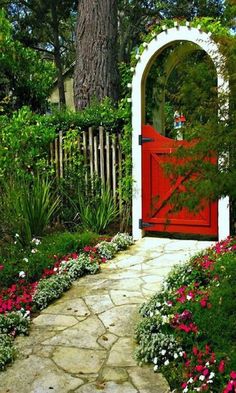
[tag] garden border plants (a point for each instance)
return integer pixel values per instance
(18, 300)
(188, 328)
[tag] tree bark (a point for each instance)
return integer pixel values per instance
(96, 74)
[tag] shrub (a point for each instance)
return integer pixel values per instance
(76, 268)
(107, 249)
(50, 289)
(7, 351)
(122, 241)
(24, 140)
(14, 323)
(119, 242)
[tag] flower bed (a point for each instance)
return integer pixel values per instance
(18, 300)
(188, 329)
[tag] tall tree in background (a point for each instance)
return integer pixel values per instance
(47, 26)
(188, 9)
(25, 78)
(96, 75)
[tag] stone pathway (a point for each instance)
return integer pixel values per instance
(83, 343)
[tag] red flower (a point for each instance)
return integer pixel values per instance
(199, 368)
(195, 351)
(1, 267)
(233, 374)
(221, 366)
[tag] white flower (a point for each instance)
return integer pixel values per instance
(211, 375)
(190, 380)
(166, 362)
(155, 360)
(17, 235)
(163, 352)
(185, 390)
(34, 250)
(165, 319)
(155, 368)
(25, 259)
(176, 355)
(188, 297)
(202, 377)
(55, 269)
(181, 353)
(35, 241)
(151, 314)
(22, 274)
(207, 364)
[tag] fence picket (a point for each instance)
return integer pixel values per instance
(56, 156)
(101, 154)
(95, 138)
(91, 152)
(108, 160)
(60, 155)
(114, 183)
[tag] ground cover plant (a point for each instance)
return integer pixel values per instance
(188, 329)
(25, 294)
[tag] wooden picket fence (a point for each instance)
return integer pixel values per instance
(101, 152)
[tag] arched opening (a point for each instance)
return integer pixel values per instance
(191, 40)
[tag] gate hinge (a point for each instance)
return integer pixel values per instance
(143, 224)
(143, 139)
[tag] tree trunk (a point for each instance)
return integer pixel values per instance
(96, 75)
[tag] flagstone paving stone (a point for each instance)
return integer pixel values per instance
(83, 342)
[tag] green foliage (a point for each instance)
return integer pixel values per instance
(25, 78)
(50, 289)
(97, 211)
(24, 142)
(104, 114)
(14, 323)
(7, 351)
(30, 206)
(220, 319)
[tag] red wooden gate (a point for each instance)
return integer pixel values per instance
(157, 211)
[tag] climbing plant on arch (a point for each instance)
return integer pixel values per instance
(145, 60)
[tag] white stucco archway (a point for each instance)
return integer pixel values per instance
(151, 51)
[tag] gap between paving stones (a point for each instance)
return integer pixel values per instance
(83, 342)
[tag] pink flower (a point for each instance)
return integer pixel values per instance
(229, 388)
(1, 267)
(233, 374)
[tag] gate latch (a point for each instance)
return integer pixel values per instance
(143, 139)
